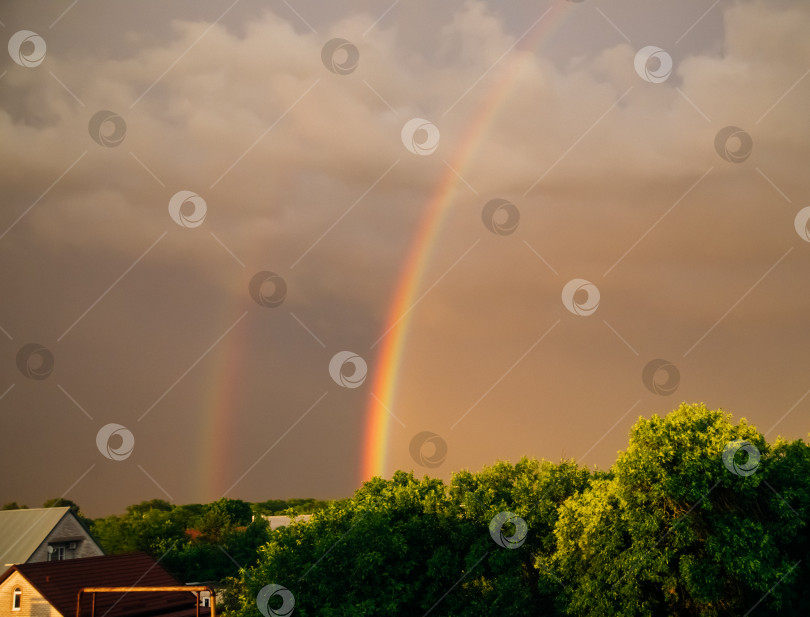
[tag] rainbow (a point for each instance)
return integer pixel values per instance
(392, 352)
(219, 409)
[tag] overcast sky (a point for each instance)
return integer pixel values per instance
(128, 302)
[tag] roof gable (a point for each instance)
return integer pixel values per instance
(22, 531)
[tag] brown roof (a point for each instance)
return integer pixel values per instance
(60, 581)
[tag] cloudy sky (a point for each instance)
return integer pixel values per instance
(204, 203)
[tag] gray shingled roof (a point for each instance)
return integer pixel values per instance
(22, 531)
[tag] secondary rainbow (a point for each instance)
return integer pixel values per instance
(220, 408)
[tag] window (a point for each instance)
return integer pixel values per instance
(57, 552)
(206, 601)
(15, 605)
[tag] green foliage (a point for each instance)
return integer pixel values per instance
(141, 529)
(205, 561)
(196, 543)
(13, 505)
(674, 532)
(408, 546)
(290, 506)
(239, 512)
(147, 506)
(668, 530)
(61, 502)
(189, 514)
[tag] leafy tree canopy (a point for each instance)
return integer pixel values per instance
(288, 506)
(196, 542)
(61, 502)
(699, 516)
(13, 505)
(407, 546)
(677, 530)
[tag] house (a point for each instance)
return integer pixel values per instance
(43, 534)
(282, 521)
(51, 589)
(212, 591)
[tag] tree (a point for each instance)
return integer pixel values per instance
(115, 534)
(147, 506)
(676, 531)
(222, 517)
(61, 502)
(214, 525)
(189, 515)
(533, 490)
(700, 516)
(202, 561)
(161, 530)
(294, 506)
(237, 510)
(153, 531)
(243, 546)
(13, 505)
(406, 547)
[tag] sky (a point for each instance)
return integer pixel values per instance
(268, 249)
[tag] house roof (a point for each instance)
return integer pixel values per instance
(281, 520)
(59, 583)
(22, 531)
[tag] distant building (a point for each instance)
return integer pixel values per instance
(205, 599)
(43, 534)
(283, 521)
(50, 589)
(205, 596)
